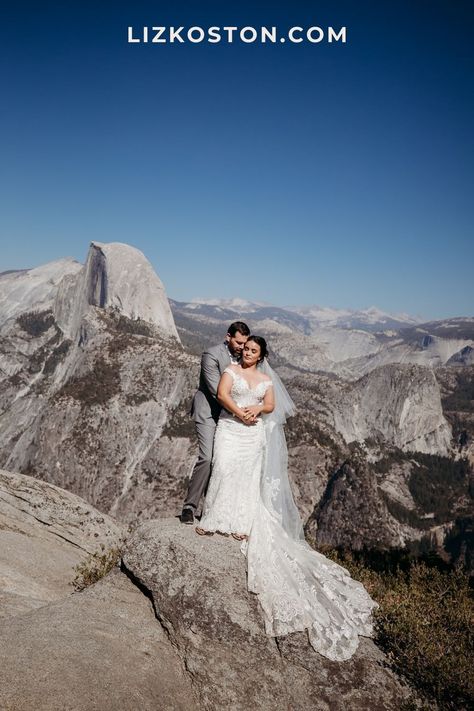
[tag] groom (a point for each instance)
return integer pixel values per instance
(205, 410)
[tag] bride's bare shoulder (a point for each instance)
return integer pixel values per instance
(234, 367)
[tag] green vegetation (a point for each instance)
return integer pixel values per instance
(95, 567)
(95, 387)
(117, 322)
(459, 542)
(438, 484)
(136, 327)
(35, 323)
(462, 399)
(424, 622)
(395, 456)
(404, 515)
(302, 429)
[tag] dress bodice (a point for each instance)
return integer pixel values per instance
(242, 394)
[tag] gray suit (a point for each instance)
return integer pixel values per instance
(205, 410)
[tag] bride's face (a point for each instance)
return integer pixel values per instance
(251, 353)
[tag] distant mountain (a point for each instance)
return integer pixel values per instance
(371, 319)
(236, 304)
(312, 317)
(316, 339)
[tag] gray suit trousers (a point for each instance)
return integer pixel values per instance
(202, 469)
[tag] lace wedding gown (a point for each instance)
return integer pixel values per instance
(298, 588)
(234, 488)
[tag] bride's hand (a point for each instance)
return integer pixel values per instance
(246, 417)
(252, 412)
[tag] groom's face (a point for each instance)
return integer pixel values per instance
(236, 343)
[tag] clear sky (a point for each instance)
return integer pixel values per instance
(332, 174)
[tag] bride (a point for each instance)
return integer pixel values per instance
(249, 497)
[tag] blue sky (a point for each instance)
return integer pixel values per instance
(333, 174)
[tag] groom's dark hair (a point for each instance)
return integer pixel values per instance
(239, 326)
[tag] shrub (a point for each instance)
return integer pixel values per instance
(95, 387)
(95, 567)
(424, 624)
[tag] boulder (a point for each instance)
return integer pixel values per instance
(44, 533)
(98, 650)
(174, 628)
(200, 597)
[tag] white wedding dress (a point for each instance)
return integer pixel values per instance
(249, 493)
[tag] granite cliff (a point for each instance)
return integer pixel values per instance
(89, 382)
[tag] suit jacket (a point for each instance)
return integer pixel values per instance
(213, 363)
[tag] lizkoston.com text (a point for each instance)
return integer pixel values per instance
(247, 35)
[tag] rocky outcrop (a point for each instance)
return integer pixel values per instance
(33, 289)
(44, 533)
(95, 388)
(353, 512)
(94, 423)
(174, 628)
(198, 588)
(397, 405)
(463, 357)
(99, 649)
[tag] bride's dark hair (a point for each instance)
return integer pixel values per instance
(260, 341)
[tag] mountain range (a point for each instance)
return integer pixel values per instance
(98, 367)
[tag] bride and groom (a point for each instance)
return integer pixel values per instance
(239, 411)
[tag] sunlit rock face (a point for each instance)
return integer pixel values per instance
(119, 277)
(400, 405)
(91, 372)
(45, 532)
(345, 343)
(51, 636)
(33, 289)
